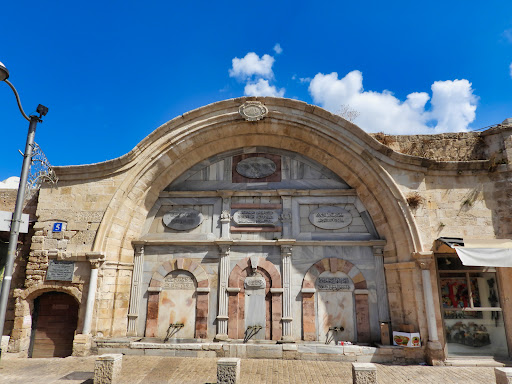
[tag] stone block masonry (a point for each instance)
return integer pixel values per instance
(228, 371)
(364, 373)
(107, 369)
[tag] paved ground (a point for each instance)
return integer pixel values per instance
(183, 370)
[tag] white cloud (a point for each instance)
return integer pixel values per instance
(277, 49)
(10, 183)
(262, 88)
(453, 105)
(510, 69)
(252, 65)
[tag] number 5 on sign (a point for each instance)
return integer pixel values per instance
(57, 227)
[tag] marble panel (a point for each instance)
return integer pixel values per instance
(177, 305)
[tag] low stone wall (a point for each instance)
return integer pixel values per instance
(464, 146)
(306, 351)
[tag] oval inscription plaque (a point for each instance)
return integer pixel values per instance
(330, 217)
(183, 219)
(256, 167)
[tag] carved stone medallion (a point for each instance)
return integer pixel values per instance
(253, 111)
(183, 219)
(330, 217)
(256, 167)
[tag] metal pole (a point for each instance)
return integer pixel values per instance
(15, 223)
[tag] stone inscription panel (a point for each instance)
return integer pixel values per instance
(60, 270)
(183, 219)
(333, 284)
(259, 217)
(181, 282)
(256, 167)
(330, 217)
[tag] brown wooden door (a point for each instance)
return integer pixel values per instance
(53, 325)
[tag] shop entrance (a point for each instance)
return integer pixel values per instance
(54, 322)
(471, 310)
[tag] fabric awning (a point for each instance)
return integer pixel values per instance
(486, 253)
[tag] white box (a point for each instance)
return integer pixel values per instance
(405, 339)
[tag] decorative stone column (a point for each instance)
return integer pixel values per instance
(225, 217)
(380, 282)
(286, 216)
(434, 348)
(135, 293)
(95, 259)
(222, 317)
(286, 259)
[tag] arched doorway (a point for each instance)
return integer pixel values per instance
(54, 322)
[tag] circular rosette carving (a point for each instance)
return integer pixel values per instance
(253, 111)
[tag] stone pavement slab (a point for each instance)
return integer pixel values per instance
(183, 370)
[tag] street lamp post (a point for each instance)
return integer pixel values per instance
(20, 198)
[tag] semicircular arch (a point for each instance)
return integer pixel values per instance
(293, 126)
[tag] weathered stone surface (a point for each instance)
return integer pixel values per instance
(108, 368)
(228, 371)
(503, 375)
(364, 373)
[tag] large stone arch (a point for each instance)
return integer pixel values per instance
(291, 125)
(236, 302)
(202, 290)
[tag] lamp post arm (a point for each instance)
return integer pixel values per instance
(17, 99)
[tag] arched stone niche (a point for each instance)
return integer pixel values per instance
(273, 298)
(177, 280)
(357, 284)
(25, 305)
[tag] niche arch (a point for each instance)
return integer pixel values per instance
(202, 291)
(273, 302)
(333, 265)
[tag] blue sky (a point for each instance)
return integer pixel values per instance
(111, 72)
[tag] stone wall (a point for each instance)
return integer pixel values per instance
(462, 146)
(7, 203)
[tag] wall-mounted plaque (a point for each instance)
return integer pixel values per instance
(259, 217)
(183, 219)
(333, 284)
(178, 282)
(254, 282)
(330, 217)
(60, 270)
(256, 167)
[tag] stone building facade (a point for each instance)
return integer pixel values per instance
(273, 221)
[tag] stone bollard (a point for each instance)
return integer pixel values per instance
(5, 343)
(228, 370)
(364, 373)
(503, 375)
(107, 369)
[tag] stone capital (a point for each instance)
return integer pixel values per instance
(224, 246)
(95, 258)
(424, 259)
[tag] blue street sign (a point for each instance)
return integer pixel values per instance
(57, 227)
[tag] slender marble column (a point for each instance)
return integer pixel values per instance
(424, 260)
(380, 281)
(286, 256)
(135, 293)
(286, 216)
(222, 318)
(95, 261)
